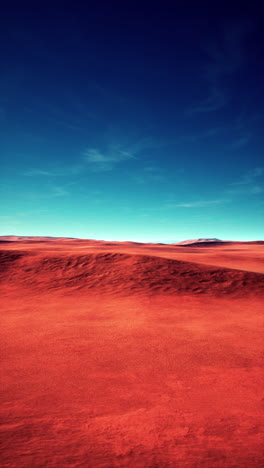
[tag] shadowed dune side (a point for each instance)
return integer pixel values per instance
(120, 273)
(216, 243)
(35, 238)
(203, 244)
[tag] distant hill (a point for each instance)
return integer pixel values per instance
(201, 242)
(197, 241)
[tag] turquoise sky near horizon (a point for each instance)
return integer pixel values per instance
(132, 121)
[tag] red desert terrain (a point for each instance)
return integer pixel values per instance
(124, 354)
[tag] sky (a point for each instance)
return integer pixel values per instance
(132, 120)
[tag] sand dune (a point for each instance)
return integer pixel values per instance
(126, 273)
(124, 354)
(247, 256)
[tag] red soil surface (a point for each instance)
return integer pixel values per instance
(130, 354)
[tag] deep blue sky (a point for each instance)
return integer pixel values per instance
(132, 120)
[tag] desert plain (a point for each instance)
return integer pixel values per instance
(125, 354)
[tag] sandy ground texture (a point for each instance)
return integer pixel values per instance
(131, 355)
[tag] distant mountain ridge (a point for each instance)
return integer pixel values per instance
(201, 242)
(198, 241)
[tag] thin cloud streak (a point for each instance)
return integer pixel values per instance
(250, 177)
(117, 152)
(248, 184)
(246, 190)
(223, 62)
(98, 159)
(217, 99)
(198, 204)
(106, 160)
(64, 172)
(59, 192)
(240, 142)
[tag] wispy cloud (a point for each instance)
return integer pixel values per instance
(246, 190)
(47, 192)
(249, 184)
(149, 175)
(94, 159)
(39, 172)
(32, 212)
(5, 217)
(69, 115)
(148, 178)
(257, 189)
(224, 59)
(57, 172)
(151, 169)
(240, 142)
(216, 99)
(104, 159)
(197, 204)
(228, 56)
(59, 192)
(250, 176)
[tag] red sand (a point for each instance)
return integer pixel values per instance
(131, 355)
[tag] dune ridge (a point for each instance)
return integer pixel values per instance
(122, 273)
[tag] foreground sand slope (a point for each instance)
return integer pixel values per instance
(131, 355)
